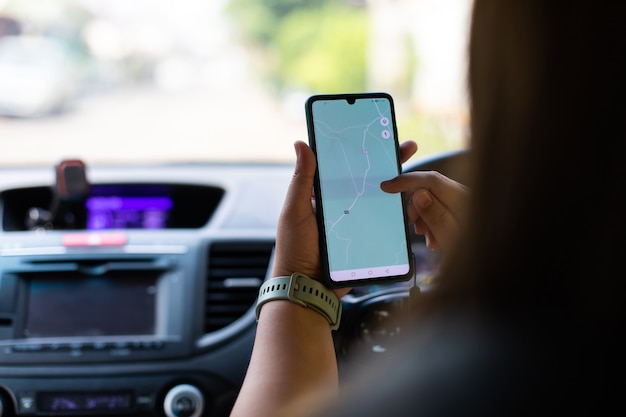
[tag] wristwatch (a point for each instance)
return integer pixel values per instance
(302, 290)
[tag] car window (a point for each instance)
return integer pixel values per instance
(112, 81)
(146, 147)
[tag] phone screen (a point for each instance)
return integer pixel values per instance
(363, 232)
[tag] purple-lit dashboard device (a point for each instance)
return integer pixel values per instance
(127, 212)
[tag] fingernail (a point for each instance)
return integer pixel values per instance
(423, 199)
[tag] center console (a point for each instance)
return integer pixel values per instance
(116, 323)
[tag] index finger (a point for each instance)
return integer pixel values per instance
(449, 192)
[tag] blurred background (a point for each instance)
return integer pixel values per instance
(219, 80)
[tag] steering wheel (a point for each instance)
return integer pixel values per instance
(372, 315)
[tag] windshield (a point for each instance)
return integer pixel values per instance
(115, 81)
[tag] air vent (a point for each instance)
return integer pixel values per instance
(236, 270)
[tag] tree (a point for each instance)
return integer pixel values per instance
(312, 45)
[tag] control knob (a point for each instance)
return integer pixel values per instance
(184, 400)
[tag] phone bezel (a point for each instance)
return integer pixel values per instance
(351, 98)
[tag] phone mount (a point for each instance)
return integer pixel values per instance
(69, 192)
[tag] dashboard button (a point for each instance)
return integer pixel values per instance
(94, 239)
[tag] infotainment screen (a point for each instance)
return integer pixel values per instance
(67, 305)
(127, 212)
(88, 402)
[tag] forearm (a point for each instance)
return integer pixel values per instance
(293, 360)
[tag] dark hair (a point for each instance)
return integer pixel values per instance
(542, 254)
(547, 84)
(529, 305)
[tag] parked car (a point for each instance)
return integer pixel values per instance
(37, 76)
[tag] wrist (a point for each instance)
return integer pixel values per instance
(304, 291)
(286, 271)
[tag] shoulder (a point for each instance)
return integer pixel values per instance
(469, 366)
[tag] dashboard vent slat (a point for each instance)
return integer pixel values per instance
(235, 272)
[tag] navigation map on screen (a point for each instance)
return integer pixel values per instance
(364, 226)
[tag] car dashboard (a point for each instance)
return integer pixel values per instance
(130, 290)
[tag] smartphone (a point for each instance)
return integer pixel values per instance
(364, 236)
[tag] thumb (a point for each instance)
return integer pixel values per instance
(301, 186)
(304, 171)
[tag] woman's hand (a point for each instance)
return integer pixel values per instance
(293, 360)
(297, 240)
(436, 205)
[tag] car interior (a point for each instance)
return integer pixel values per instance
(129, 319)
(130, 262)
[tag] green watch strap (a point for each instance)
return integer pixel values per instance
(304, 291)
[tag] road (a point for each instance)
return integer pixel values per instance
(144, 124)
